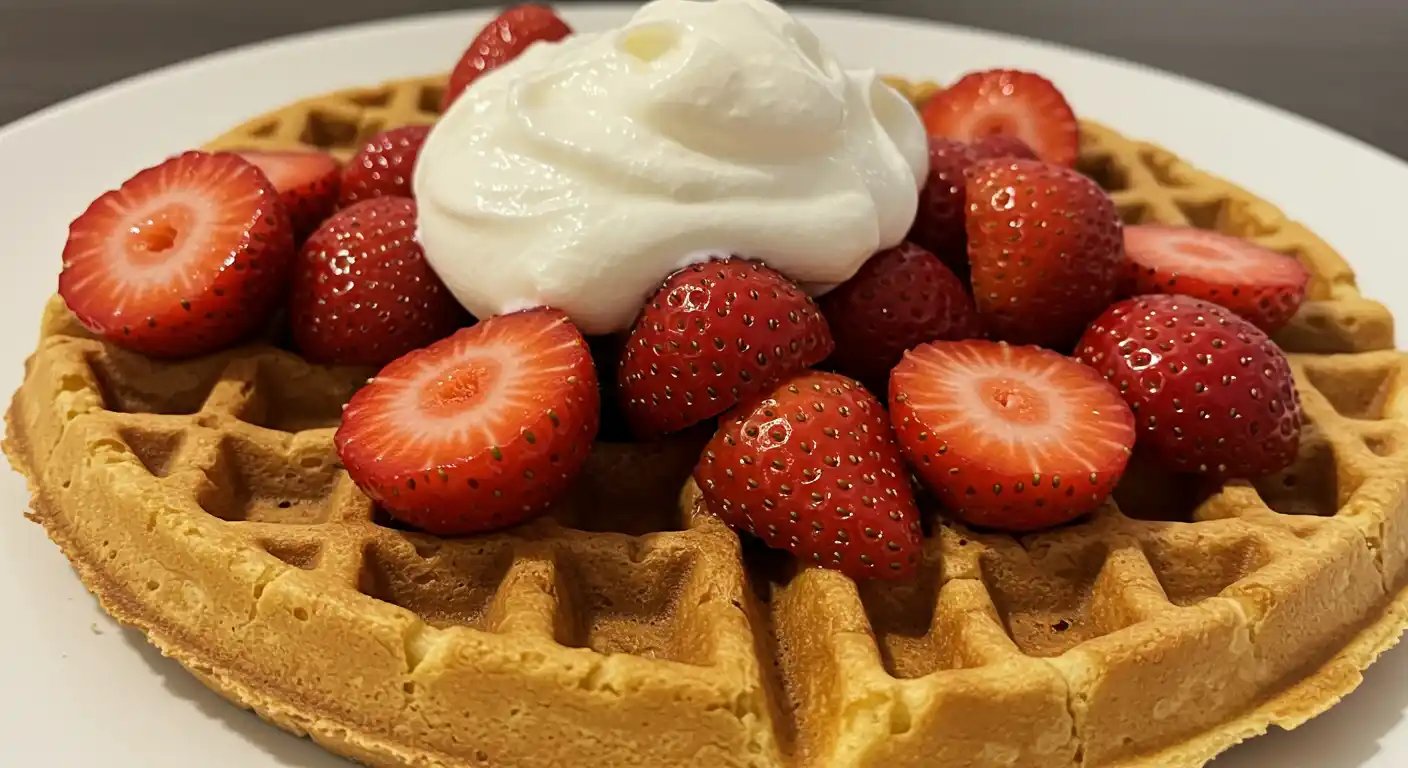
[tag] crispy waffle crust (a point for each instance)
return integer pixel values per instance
(203, 503)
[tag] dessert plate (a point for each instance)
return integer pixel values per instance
(93, 693)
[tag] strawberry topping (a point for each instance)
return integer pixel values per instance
(1016, 438)
(1005, 102)
(502, 41)
(477, 431)
(307, 182)
(384, 167)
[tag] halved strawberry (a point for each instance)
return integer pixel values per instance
(183, 259)
(478, 431)
(384, 166)
(1045, 249)
(307, 183)
(812, 467)
(363, 293)
(1007, 102)
(713, 335)
(1015, 438)
(899, 299)
(1263, 286)
(501, 41)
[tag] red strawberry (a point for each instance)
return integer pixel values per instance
(899, 299)
(1265, 287)
(363, 293)
(998, 145)
(1008, 103)
(307, 183)
(713, 335)
(1016, 438)
(938, 225)
(1212, 393)
(384, 166)
(478, 431)
(183, 259)
(812, 467)
(502, 41)
(1044, 244)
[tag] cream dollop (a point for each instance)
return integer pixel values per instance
(583, 173)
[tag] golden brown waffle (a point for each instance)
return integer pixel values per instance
(202, 502)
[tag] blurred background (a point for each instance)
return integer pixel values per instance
(1341, 62)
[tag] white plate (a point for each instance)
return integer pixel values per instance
(82, 692)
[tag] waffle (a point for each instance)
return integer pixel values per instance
(203, 503)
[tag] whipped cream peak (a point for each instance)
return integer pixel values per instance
(583, 173)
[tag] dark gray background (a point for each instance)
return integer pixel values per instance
(1341, 62)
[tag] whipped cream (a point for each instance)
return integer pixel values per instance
(583, 173)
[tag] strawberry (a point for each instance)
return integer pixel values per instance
(384, 166)
(899, 299)
(183, 259)
(502, 41)
(478, 431)
(1263, 286)
(307, 183)
(1008, 103)
(1213, 395)
(938, 225)
(1044, 244)
(363, 292)
(713, 335)
(997, 145)
(1015, 438)
(811, 466)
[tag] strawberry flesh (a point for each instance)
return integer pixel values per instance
(384, 167)
(185, 258)
(713, 335)
(812, 467)
(307, 182)
(1263, 286)
(1213, 395)
(363, 293)
(478, 431)
(502, 41)
(1045, 248)
(1003, 102)
(1013, 438)
(899, 299)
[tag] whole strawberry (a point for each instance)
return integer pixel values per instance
(307, 182)
(500, 42)
(384, 166)
(1014, 438)
(363, 293)
(899, 299)
(1005, 102)
(478, 431)
(1212, 394)
(1264, 287)
(1000, 145)
(812, 467)
(1046, 249)
(185, 258)
(938, 224)
(713, 335)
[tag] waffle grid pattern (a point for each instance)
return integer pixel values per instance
(202, 502)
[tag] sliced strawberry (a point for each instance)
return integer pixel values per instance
(1213, 394)
(1006, 102)
(183, 259)
(998, 145)
(478, 431)
(500, 42)
(812, 467)
(1015, 438)
(307, 183)
(384, 167)
(1045, 247)
(1262, 286)
(363, 293)
(938, 225)
(899, 299)
(713, 335)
